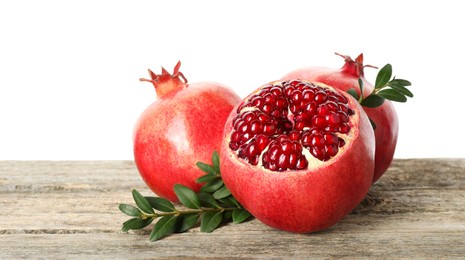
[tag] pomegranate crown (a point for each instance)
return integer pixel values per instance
(165, 82)
(354, 67)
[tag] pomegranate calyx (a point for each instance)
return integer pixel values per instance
(354, 67)
(166, 82)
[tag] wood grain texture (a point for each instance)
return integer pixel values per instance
(67, 210)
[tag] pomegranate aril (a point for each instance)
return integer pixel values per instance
(331, 150)
(276, 91)
(344, 128)
(254, 160)
(286, 146)
(318, 153)
(319, 121)
(317, 140)
(308, 95)
(235, 137)
(257, 101)
(283, 163)
(293, 157)
(256, 127)
(276, 113)
(302, 163)
(330, 138)
(269, 129)
(333, 118)
(267, 108)
(299, 126)
(294, 135)
(320, 97)
(281, 102)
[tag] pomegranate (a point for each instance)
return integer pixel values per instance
(384, 117)
(298, 155)
(183, 126)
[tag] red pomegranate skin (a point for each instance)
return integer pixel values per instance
(384, 116)
(182, 127)
(304, 201)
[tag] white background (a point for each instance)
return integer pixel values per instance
(69, 70)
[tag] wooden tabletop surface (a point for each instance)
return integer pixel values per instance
(69, 209)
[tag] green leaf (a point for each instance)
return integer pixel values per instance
(129, 210)
(216, 161)
(163, 227)
(141, 202)
(401, 89)
(212, 185)
(185, 222)
(161, 204)
(353, 93)
(222, 192)
(207, 178)
(392, 95)
(240, 215)
(207, 200)
(230, 201)
(210, 221)
(401, 82)
(207, 168)
(372, 101)
(136, 223)
(360, 84)
(383, 77)
(187, 196)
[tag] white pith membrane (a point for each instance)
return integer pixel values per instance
(312, 161)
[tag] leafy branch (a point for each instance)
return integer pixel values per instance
(212, 206)
(386, 87)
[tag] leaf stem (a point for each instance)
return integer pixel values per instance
(185, 212)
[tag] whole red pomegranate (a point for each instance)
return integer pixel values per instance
(298, 155)
(183, 126)
(384, 116)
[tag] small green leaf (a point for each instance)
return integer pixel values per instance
(360, 84)
(240, 215)
(216, 161)
(353, 93)
(212, 185)
(372, 101)
(207, 178)
(163, 227)
(401, 89)
(210, 221)
(141, 202)
(207, 168)
(392, 95)
(161, 204)
(401, 82)
(207, 200)
(384, 75)
(222, 192)
(372, 124)
(136, 223)
(185, 222)
(129, 210)
(230, 201)
(187, 196)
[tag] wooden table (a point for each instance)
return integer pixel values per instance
(62, 210)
